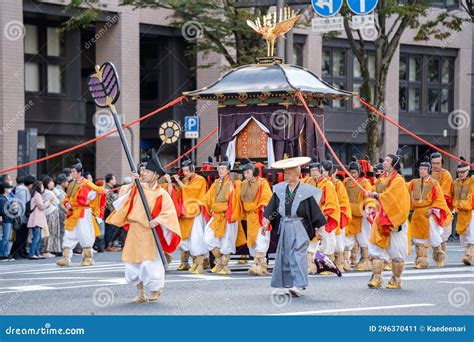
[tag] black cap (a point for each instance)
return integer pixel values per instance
(154, 164)
(395, 159)
(327, 165)
(246, 164)
(187, 162)
(425, 163)
(463, 166)
(209, 161)
(354, 165)
(225, 162)
(315, 164)
(77, 166)
(379, 165)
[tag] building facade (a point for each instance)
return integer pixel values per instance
(43, 86)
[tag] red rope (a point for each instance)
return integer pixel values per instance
(326, 142)
(211, 133)
(170, 104)
(413, 134)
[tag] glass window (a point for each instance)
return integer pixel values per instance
(54, 79)
(357, 72)
(415, 69)
(356, 88)
(444, 100)
(445, 71)
(414, 99)
(338, 64)
(326, 68)
(433, 100)
(32, 77)
(338, 103)
(433, 70)
(402, 98)
(402, 70)
(31, 39)
(54, 42)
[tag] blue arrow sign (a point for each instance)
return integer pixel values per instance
(362, 7)
(326, 8)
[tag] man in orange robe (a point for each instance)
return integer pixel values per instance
(431, 216)
(192, 217)
(358, 229)
(222, 201)
(445, 180)
(143, 264)
(344, 219)
(463, 203)
(330, 208)
(255, 195)
(85, 203)
(389, 232)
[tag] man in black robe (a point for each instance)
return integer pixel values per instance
(294, 211)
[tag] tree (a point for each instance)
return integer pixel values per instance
(392, 20)
(221, 27)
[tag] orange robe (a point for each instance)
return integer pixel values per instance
(255, 197)
(422, 200)
(463, 202)
(446, 182)
(76, 196)
(329, 203)
(394, 201)
(345, 206)
(222, 201)
(191, 205)
(140, 244)
(357, 202)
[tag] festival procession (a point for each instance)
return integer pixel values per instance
(271, 206)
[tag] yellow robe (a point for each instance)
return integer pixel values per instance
(422, 201)
(329, 202)
(345, 206)
(224, 205)
(394, 211)
(76, 196)
(357, 202)
(191, 194)
(463, 202)
(255, 197)
(140, 244)
(446, 182)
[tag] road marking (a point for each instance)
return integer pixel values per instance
(204, 276)
(369, 308)
(463, 282)
(30, 288)
(440, 276)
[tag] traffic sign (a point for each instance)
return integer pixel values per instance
(328, 24)
(326, 8)
(191, 127)
(361, 7)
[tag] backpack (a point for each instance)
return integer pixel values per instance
(28, 209)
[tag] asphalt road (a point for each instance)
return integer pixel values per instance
(39, 287)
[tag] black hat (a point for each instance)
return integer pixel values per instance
(7, 185)
(188, 163)
(436, 155)
(327, 165)
(29, 180)
(379, 165)
(315, 164)
(395, 159)
(154, 164)
(77, 166)
(425, 163)
(209, 161)
(225, 162)
(246, 164)
(354, 165)
(463, 166)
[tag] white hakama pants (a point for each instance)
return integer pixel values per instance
(226, 244)
(362, 238)
(195, 244)
(82, 233)
(150, 272)
(435, 238)
(468, 236)
(261, 244)
(397, 248)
